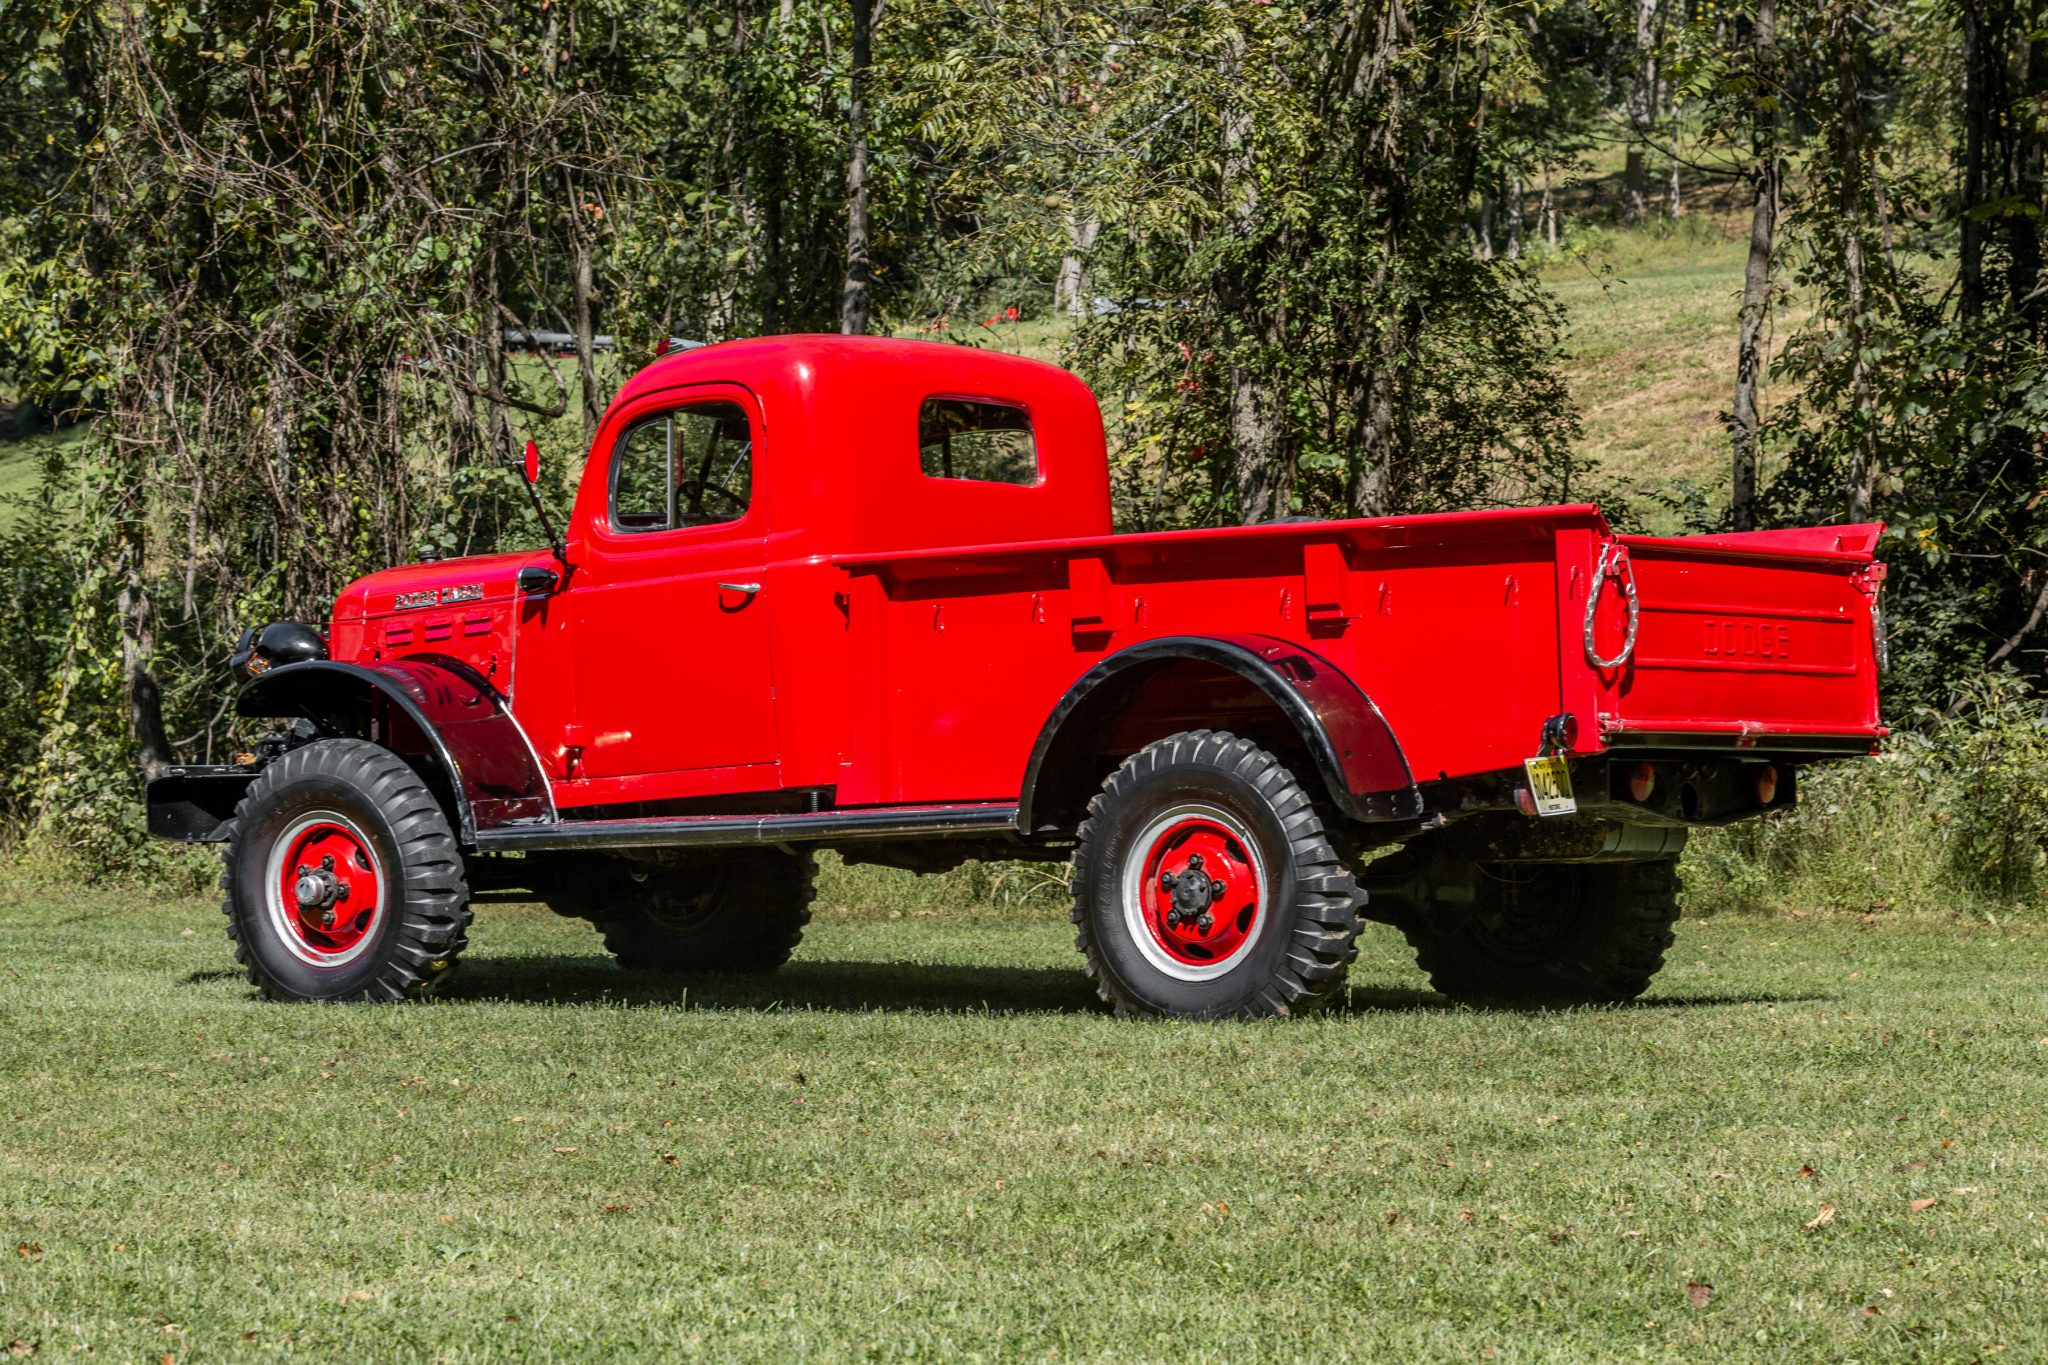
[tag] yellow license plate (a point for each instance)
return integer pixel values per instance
(1550, 782)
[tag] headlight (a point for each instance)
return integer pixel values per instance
(274, 646)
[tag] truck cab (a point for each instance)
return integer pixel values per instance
(695, 645)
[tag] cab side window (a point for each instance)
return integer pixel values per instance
(690, 467)
(962, 438)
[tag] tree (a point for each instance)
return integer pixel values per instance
(856, 308)
(1281, 189)
(1745, 421)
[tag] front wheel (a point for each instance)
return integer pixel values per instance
(342, 879)
(1204, 885)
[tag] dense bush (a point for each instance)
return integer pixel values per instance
(1952, 818)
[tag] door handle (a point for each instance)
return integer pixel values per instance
(748, 588)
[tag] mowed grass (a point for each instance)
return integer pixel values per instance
(921, 1140)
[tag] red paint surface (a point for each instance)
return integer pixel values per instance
(1211, 851)
(912, 634)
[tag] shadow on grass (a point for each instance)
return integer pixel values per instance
(946, 988)
(952, 988)
(1372, 999)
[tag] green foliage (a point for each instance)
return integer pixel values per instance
(1272, 207)
(1996, 760)
(1951, 818)
(268, 252)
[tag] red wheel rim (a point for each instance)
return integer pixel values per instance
(1194, 892)
(326, 889)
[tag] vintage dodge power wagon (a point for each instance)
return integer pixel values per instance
(863, 595)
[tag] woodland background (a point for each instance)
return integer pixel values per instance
(258, 264)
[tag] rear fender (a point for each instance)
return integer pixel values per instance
(1355, 752)
(494, 778)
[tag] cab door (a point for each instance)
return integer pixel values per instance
(670, 621)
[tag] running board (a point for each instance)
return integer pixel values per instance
(727, 831)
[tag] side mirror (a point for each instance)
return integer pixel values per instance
(532, 461)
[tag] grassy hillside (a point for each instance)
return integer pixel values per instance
(1651, 353)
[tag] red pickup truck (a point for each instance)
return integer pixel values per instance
(860, 594)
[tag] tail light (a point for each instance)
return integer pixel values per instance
(1767, 786)
(1642, 781)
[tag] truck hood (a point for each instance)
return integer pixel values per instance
(447, 582)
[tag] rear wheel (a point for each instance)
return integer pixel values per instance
(342, 878)
(1204, 885)
(742, 911)
(1549, 933)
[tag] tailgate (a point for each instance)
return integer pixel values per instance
(1764, 640)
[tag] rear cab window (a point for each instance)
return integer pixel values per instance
(977, 440)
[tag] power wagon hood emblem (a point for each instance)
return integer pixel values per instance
(438, 597)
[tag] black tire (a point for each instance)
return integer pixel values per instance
(1551, 934)
(1208, 789)
(321, 801)
(742, 911)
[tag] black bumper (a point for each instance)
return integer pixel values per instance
(194, 805)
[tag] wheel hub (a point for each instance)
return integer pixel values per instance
(1191, 894)
(319, 891)
(1195, 891)
(326, 889)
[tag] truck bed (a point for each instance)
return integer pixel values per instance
(1467, 630)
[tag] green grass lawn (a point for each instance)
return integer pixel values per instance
(922, 1140)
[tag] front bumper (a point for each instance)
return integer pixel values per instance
(194, 804)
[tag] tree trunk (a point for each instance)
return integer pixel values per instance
(1515, 216)
(1976, 120)
(1485, 246)
(1376, 447)
(1853, 206)
(2023, 273)
(1677, 197)
(128, 512)
(138, 625)
(497, 432)
(1635, 194)
(854, 303)
(1642, 112)
(583, 286)
(1070, 290)
(1258, 430)
(128, 485)
(1746, 417)
(1372, 471)
(1549, 211)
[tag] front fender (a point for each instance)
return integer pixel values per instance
(1354, 749)
(494, 778)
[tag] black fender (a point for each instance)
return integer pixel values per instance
(1355, 752)
(494, 778)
